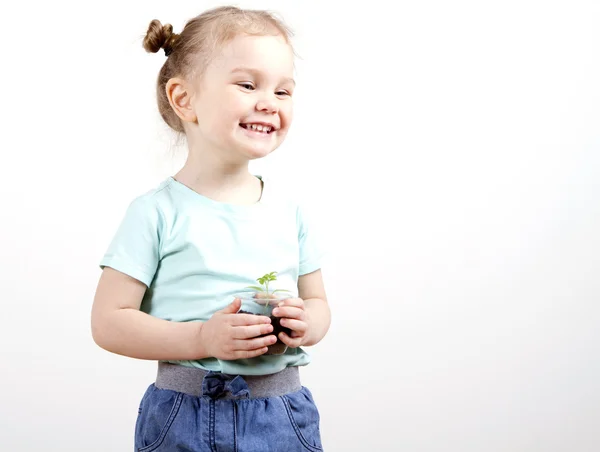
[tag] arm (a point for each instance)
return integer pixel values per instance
(318, 315)
(119, 326)
(308, 316)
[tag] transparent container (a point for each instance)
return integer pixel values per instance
(253, 303)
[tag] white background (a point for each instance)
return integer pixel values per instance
(451, 152)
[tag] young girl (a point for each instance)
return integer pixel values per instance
(186, 248)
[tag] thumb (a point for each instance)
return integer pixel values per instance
(232, 307)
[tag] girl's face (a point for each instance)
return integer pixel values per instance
(244, 99)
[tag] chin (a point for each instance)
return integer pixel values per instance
(257, 147)
(254, 154)
(255, 151)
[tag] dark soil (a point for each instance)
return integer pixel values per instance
(278, 347)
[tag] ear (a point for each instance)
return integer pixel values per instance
(180, 94)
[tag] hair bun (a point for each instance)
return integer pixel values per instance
(158, 37)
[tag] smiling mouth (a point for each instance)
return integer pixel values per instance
(258, 128)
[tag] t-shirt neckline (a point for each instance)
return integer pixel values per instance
(220, 205)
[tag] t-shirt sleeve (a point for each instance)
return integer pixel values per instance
(134, 249)
(311, 247)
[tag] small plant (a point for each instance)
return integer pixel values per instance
(263, 289)
(264, 296)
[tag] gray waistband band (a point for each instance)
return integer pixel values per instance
(190, 380)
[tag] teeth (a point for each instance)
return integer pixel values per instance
(259, 128)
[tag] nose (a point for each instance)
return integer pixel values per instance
(267, 104)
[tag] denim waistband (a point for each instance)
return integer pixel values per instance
(200, 382)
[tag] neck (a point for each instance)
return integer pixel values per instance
(218, 179)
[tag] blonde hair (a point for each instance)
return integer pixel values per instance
(189, 52)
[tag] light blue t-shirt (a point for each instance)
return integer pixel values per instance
(195, 253)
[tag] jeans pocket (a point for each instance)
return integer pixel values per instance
(304, 417)
(157, 412)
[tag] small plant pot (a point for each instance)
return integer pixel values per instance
(253, 304)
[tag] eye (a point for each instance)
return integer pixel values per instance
(283, 93)
(248, 86)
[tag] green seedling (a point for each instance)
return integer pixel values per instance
(263, 296)
(263, 290)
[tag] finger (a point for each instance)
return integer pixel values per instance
(247, 332)
(295, 325)
(289, 312)
(245, 354)
(231, 308)
(249, 319)
(253, 344)
(292, 342)
(297, 302)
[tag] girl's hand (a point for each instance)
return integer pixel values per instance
(228, 335)
(293, 316)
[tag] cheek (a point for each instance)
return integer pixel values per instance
(234, 102)
(228, 103)
(287, 114)
(226, 111)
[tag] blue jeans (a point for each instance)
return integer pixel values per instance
(174, 421)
